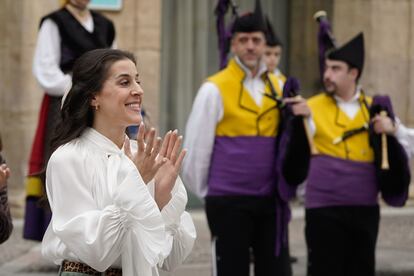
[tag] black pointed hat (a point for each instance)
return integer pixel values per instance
(271, 38)
(352, 53)
(250, 22)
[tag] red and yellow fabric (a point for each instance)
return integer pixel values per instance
(36, 217)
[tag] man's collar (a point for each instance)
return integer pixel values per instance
(355, 97)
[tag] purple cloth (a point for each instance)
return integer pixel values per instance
(293, 147)
(36, 221)
(286, 192)
(395, 181)
(283, 216)
(224, 34)
(339, 182)
(291, 87)
(396, 200)
(382, 103)
(243, 166)
(326, 41)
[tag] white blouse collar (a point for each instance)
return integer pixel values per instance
(103, 143)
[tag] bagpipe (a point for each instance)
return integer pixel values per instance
(391, 160)
(224, 32)
(295, 142)
(326, 40)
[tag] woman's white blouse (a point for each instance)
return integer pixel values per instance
(105, 215)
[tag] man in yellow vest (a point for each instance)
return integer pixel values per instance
(341, 201)
(231, 162)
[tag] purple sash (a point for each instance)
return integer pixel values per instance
(243, 166)
(338, 182)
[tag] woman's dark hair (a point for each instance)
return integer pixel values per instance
(89, 74)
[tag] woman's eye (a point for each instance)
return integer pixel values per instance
(124, 83)
(137, 81)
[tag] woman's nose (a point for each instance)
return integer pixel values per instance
(137, 90)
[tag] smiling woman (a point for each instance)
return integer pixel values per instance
(129, 216)
(118, 105)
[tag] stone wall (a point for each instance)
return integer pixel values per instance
(387, 27)
(19, 94)
(138, 30)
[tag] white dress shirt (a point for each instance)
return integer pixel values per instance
(280, 75)
(200, 132)
(405, 136)
(105, 215)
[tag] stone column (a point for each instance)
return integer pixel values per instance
(388, 47)
(20, 95)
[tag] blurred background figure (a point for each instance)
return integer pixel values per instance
(6, 225)
(64, 35)
(346, 177)
(273, 52)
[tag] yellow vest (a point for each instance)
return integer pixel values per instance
(242, 116)
(331, 122)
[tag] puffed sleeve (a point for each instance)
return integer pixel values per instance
(131, 227)
(179, 226)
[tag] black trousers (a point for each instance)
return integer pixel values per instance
(243, 228)
(341, 241)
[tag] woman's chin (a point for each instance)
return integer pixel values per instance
(136, 121)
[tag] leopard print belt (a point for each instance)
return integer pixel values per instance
(68, 266)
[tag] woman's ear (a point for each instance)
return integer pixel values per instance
(94, 102)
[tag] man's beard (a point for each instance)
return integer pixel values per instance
(331, 89)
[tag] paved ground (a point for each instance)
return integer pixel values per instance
(395, 248)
